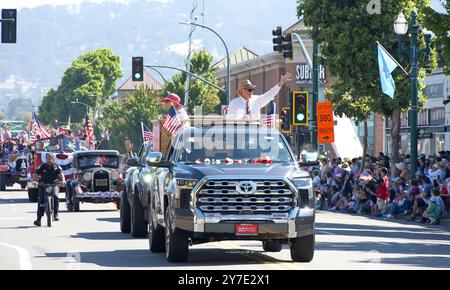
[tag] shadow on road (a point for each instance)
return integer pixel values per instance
(419, 243)
(15, 201)
(99, 236)
(110, 220)
(146, 259)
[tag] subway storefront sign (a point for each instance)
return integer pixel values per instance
(304, 74)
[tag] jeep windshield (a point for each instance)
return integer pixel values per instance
(89, 161)
(235, 145)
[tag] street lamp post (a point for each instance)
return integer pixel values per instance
(228, 85)
(401, 28)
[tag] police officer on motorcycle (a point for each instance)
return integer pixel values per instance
(49, 173)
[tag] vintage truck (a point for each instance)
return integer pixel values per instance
(13, 169)
(216, 181)
(62, 147)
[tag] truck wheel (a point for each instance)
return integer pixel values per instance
(272, 246)
(302, 249)
(138, 224)
(33, 194)
(2, 182)
(156, 240)
(177, 245)
(125, 226)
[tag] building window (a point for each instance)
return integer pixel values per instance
(422, 117)
(437, 116)
(404, 119)
(435, 91)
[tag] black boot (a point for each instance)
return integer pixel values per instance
(37, 223)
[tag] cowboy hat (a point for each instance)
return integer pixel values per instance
(174, 98)
(345, 166)
(245, 85)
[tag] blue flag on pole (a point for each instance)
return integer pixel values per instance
(386, 65)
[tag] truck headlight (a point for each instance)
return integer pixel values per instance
(186, 183)
(87, 177)
(148, 178)
(302, 182)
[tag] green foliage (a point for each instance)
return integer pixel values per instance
(91, 79)
(200, 94)
(123, 119)
(348, 36)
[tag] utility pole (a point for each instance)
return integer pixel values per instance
(188, 60)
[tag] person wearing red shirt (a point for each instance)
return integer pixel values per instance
(382, 192)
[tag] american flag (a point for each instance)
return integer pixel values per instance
(269, 120)
(146, 133)
(89, 132)
(172, 123)
(38, 128)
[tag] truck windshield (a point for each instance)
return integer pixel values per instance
(233, 146)
(98, 161)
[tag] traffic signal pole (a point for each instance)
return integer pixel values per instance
(315, 98)
(189, 73)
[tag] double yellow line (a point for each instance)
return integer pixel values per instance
(260, 258)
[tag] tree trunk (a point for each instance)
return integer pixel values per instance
(395, 142)
(363, 163)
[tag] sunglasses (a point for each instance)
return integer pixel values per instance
(249, 90)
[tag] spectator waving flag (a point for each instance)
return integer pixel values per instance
(147, 135)
(269, 120)
(38, 128)
(172, 123)
(89, 133)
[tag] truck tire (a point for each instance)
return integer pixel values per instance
(2, 182)
(302, 249)
(138, 224)
(33, 194)
(177, 245)
(272, 246)
(156, 237)
(125, 224)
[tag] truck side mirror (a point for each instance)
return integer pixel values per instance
(133, 162)
(153, 158)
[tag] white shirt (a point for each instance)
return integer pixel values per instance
(184, 117)
(238, 106)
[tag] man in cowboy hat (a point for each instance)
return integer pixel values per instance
(247, 105)
(175, 100)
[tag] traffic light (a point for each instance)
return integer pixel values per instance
(287, 47)
(286, 127)
(278, 39)
(138, 69)
(300, 108)
(9, 25)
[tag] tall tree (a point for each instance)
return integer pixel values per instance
(123, 119)
(200, 93)
(348, 34)
(91, 79)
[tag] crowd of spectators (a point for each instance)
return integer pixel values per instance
(376, 191)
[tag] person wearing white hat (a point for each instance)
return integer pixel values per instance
(247, 105)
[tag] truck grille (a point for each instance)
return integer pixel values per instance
(223, 197)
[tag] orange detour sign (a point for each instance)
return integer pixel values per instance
(325, 122)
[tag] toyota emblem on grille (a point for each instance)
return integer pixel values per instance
(246, 187)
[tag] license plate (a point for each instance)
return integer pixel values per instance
(101, 182)
(246, 230)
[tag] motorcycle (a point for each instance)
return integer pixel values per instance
(51, 191)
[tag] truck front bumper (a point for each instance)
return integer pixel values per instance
(197, 225)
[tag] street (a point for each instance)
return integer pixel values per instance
(91, 239)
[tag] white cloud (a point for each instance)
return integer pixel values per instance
(220, 25)
(183, 48)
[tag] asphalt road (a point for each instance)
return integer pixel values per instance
(91, 239)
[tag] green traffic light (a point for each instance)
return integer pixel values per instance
(301, 117)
